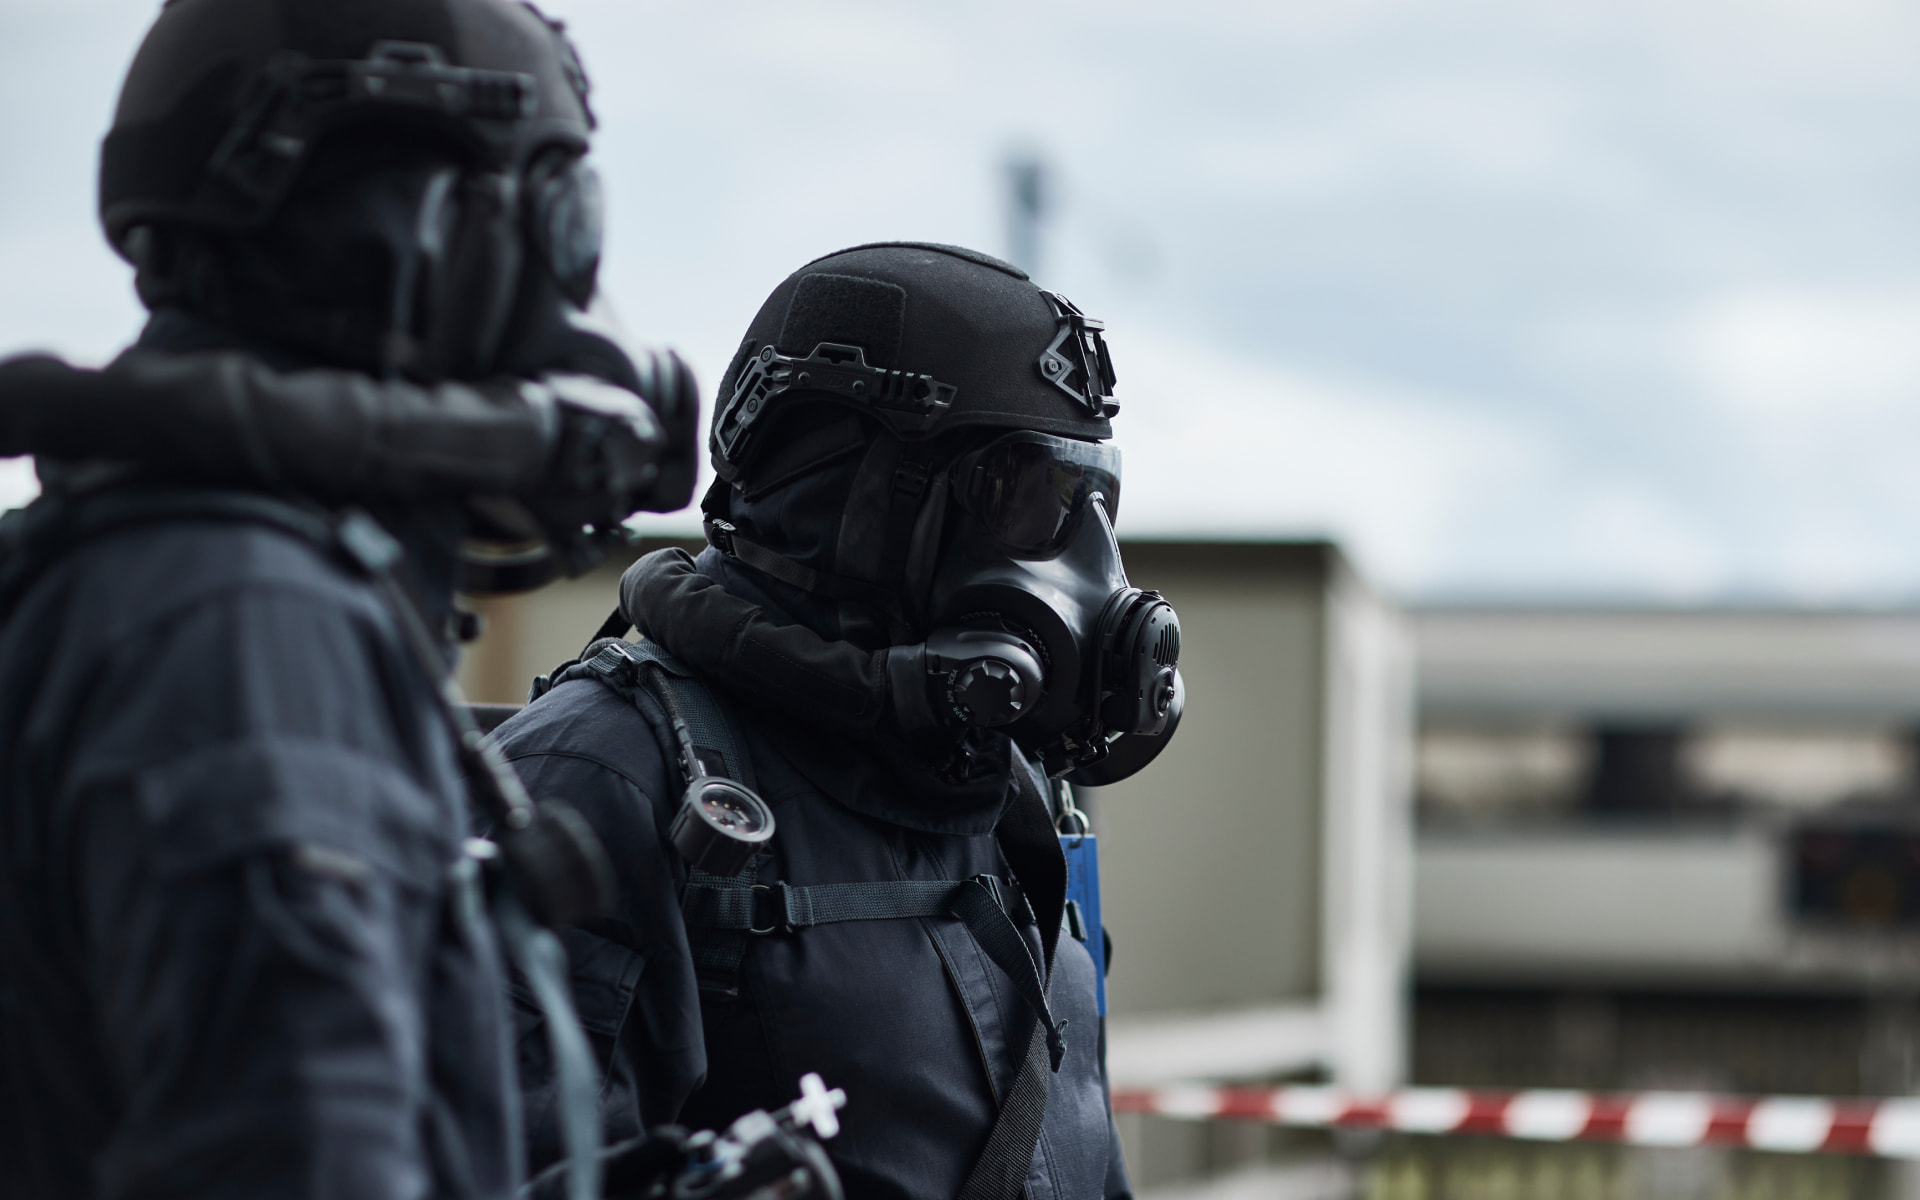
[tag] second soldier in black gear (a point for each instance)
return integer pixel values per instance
(243, 947)
(913, 618)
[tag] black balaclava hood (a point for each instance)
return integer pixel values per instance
(877, 772)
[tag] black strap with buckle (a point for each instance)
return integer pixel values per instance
(767, 909)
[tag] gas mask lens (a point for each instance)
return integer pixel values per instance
(1030, 489)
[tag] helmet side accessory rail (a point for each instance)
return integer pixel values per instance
(296, 99)
(906, 402)
(1077, 360)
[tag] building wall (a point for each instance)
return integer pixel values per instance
(1211, 856)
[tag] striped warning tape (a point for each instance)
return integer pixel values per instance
(1787, 1124)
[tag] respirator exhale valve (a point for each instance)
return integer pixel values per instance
(1141, 640)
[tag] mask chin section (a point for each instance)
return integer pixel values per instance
(1126, 754)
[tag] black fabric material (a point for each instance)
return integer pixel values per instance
(767, 909)
(718, 953)
(344, 28)
(191, 79)
(862, 543)
(231, 821)
(785, 570)
(724, 637)
(721, 627)
(784, 517)
(867, 313)
(973, 256)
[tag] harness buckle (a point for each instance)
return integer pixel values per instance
(910, 479)
(776, 921)
(995, 888)
(720, 535)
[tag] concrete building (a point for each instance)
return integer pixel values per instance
(1674, 849)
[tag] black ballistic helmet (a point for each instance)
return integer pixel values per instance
(925, 339)
(226, 98)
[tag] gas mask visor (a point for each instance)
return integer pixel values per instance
(1031, 489)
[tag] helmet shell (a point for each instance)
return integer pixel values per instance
(967, 320)
(206, 69)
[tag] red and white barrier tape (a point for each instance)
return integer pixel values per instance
(1786, 1124)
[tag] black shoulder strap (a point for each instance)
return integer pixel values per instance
(642, 672)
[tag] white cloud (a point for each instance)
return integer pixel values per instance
(1783, 352)
(1219, 446)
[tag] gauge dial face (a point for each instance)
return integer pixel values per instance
(733, 810)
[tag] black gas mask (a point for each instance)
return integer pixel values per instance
(370, 222)
(424, 214)
(1037, 631)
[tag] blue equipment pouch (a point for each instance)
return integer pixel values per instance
(1082, 850)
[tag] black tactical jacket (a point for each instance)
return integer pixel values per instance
(237, 955)
(908, 1015)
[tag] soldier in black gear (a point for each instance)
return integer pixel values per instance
(243, 945)
(910, 622)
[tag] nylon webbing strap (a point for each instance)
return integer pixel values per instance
(649, 678)
(1001, 1170)
(706, 716)
(718, 953)
(780, 908)
(624, 667)
(1026, 837)
(910, 479)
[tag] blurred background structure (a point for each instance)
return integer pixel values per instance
(1585, 331)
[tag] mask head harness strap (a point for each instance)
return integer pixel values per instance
(1077, 361)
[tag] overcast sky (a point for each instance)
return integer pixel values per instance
(1595, 299)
